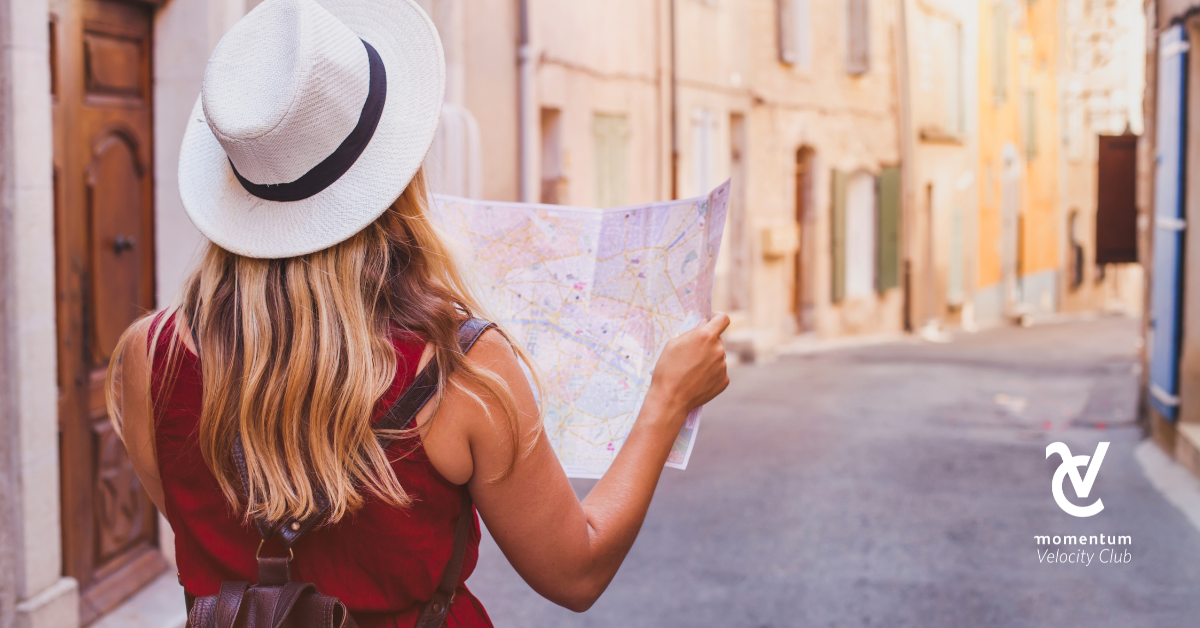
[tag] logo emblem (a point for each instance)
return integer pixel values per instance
(1083, 486)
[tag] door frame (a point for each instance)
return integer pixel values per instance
(100, 589)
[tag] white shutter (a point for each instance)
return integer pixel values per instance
(860, 235)
(858, 51)
(787, 20)
(611, 148)
(704, 151)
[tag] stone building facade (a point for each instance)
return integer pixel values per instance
(868, 198)
(1052, 79)
(1169, 171)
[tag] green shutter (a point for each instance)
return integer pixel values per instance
(887, 273)
(838, 228)
(611, 139)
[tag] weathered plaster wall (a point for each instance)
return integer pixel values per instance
(36, 594)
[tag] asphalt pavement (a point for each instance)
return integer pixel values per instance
(901, 485)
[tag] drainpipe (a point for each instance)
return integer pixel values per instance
(528, 113)
(674, 109)
(908, 168)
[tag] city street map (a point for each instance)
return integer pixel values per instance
(593, 295)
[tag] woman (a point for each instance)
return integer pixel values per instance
(325, 290)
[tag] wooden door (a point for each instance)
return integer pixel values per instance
(1116, 200)
(803, 291)
(100, 55)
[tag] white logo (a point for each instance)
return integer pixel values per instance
(1083, 487)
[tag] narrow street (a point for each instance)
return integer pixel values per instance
(899, 485)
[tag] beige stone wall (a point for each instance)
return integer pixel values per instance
(185, 33)
(33, 592)
(614, 58)
(941, 133)
(729, 64)
(1102, 77)
(604, 57)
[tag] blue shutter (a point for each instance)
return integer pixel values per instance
(1168, 223)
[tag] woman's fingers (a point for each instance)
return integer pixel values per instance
(718, 323)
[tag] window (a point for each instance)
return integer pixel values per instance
(954, 96)
(704, 151)
(955, 280)
(1116, 211)
(858, 42)
(795, 32)
(1074, 252)
(611, 139)
(1030, 124)
(860, 235)
(939, 78)
(554, 175)
(999, 52)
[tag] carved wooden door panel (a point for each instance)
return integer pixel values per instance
(101, 54)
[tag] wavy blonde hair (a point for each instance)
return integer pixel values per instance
(295, 352)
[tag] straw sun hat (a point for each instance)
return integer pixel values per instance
(313, 118)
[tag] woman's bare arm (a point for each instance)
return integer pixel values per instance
(566, 550)
(137, 424)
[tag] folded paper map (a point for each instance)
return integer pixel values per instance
(593, 295)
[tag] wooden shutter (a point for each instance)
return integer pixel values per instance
(887, 274)
(1031, 144)
(838, 231)
(1116, 209)
(610, 136)
(1169, 213)
(786, 19)
(859, 37)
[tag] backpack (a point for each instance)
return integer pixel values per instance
(277, 602)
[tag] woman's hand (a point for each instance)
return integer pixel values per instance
(691, 370)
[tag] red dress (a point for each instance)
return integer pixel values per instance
(382, 562)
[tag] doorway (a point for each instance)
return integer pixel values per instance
(804, 299)
(104, 240)
(739, 277)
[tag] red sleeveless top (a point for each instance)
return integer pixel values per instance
(382, 562)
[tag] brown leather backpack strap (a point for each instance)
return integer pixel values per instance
(434, 613)
(229, 602)
(287, 599)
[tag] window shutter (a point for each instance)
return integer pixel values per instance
(620, 161)
(1116, 210)
(611, 138)
(838, 229)
(859, 38)
(600, 154)
(888, 242)
(999, 52)
(787, 20)
(1031, 146)
(955, 284)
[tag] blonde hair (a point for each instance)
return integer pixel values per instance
(295, 352)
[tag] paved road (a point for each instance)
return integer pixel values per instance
(899, 485)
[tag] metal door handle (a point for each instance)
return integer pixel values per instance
(122, 244)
